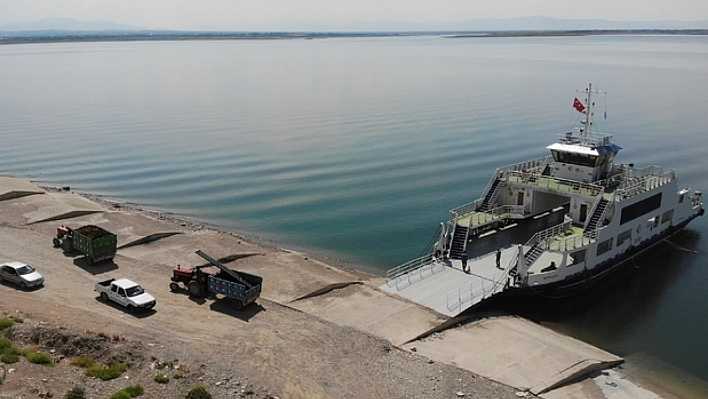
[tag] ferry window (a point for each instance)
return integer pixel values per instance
(624, 236)
(640, 208)
(574, 158)
(667, 216)
(604, 246)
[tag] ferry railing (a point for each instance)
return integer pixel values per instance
(534, 164)
(550, 232)
(482, 218)
(503, 173)
(479, 289)
(556, 238)
(589, 139)
(413, 270)
(465, 209)
(580, 187)
(535, 178)
(638, 185)
(578, 240)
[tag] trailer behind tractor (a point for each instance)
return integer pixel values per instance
(95, 242)
(242, 288)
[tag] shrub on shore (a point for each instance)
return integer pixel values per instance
(10, 354)
(6, 323)
(198, 392)
(132, 391)
(75, 393)
(38, 357)
(105, 373)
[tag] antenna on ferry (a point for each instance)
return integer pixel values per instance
(589, 114)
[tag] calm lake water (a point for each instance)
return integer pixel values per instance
(355, 149)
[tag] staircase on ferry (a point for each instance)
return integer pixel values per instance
(459, 238)
(492, 194)
(597, 217)
(533, 254)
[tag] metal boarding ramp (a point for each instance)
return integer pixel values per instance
(445, 288)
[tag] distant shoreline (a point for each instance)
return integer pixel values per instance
(62, 36)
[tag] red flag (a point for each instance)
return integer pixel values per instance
(578, 105)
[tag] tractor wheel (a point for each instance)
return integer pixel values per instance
(196, 289)
(174, 286)
(104, 297)
(67, 245)
(237, 304)
(56, 242)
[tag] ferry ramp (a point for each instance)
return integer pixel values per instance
(444, 287)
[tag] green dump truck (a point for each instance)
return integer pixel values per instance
(96, 243)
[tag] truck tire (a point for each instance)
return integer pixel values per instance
(174, 286)
(196, 289)
(104, 297)
(131, 308)
(56, 242)
(237, 304)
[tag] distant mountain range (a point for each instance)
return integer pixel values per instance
(66, 24)
(476, 25)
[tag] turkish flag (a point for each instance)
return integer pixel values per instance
(578, 105)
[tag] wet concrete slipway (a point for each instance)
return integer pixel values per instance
(505, 348)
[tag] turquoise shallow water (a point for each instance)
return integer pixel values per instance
(356, 148)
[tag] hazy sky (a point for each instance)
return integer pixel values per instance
(270, 14)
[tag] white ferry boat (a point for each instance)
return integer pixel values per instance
(607, 213)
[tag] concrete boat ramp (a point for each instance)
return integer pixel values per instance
(443, 286)
(505, 348)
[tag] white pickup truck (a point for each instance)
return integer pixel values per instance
(125, 292)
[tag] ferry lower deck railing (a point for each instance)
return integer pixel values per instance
(573, 241)
(413, 269)
(479, 290)
(562, 237)
(465, 209)
(553, 231)
(474, 219)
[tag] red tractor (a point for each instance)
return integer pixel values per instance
(242, 288)
(195, 279)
